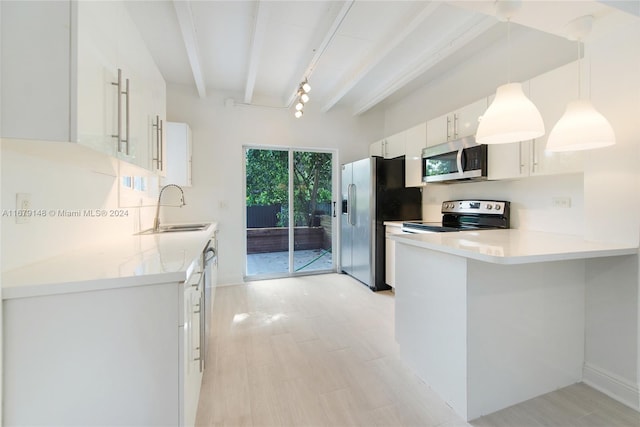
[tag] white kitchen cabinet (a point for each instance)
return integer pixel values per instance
(119, 356)
(390, 253)
(550, 92)
(508, 161)
(377, 148)
(60, 66)
(394, 145)
(390, 147)
(191, 351)
(457, 124)
(416, 140)
(179, 154)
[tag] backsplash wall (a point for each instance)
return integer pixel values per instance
(63, 180)
(531, 201)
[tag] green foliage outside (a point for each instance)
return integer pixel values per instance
(268, 180)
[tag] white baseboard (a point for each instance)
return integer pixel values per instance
(612, 385)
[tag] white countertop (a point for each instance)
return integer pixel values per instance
(135, 260)
(514, 246)
(393, 223)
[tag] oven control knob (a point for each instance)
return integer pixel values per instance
(488, 207)
(498, 207)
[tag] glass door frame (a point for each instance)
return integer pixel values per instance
(335, 193)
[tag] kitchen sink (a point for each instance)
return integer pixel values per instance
(176, 228)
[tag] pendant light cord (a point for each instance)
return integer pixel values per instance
(579, 72)
(509, 50)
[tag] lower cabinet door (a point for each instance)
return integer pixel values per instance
(190, 351)
(101, 358)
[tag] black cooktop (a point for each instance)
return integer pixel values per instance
(439, 227)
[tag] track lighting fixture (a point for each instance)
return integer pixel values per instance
(303, 98)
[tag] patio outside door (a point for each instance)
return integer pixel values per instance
(290, 222)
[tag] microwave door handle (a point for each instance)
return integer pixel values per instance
(459, 160)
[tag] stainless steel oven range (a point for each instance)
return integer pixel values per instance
(460, 215)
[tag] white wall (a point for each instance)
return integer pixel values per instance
(612, 204)
(62, 176)
(219, 133)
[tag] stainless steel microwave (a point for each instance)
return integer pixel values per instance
(460, 160)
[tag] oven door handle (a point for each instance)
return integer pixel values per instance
(459, 160)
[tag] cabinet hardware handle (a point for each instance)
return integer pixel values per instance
(334, 209)
(127, 140)
(159, 146)
(455, 125)
(448, 123)
(118, 133)
(520, 157)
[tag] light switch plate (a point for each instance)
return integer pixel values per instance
(23, 208)
(561, 202)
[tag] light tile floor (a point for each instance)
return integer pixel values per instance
(319, 350)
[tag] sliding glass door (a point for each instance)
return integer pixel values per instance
(290, 215)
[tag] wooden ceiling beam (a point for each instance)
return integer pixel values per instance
(188, 30)
(259, 34)
(359, 71)
(459, 37)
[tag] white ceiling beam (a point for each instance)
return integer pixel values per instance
(459, 37)
(358, 72)
(188, 29)
(319, 50)
(259, 34)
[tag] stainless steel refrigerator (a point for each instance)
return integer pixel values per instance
(373, 191)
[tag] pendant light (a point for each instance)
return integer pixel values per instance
(511, 117)
(581, 127)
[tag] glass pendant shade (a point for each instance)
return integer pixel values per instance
(511, 117)
(581, 127)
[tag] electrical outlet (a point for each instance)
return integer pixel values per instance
(23, 208)
(561, 202)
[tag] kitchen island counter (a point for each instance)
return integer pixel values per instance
(135, 260)
(515, 246)
(492, 318)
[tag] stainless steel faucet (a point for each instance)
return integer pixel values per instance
(156, 220)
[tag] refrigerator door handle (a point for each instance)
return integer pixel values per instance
(351, 203)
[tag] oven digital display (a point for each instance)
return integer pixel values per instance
(474, 205)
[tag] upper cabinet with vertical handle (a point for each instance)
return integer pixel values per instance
(455, 125)
(79, 72)
(550, 92)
